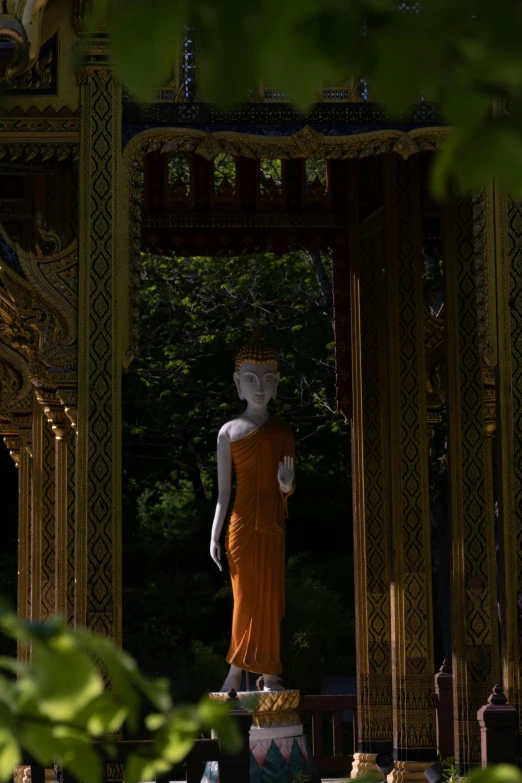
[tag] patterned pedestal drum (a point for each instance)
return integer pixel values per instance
(279, 751)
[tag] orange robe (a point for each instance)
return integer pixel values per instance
(255, 544)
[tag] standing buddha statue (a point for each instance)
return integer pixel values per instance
(261, 449)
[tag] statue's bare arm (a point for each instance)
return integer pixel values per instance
(224, 469)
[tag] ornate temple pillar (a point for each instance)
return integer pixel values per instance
(17, 438)
(414, 724)
(65, 476)
(16, 401)
(370, 454)
(64, 485)
(508, 219)
(98, 467)
(24, 517)
(43, 518)
(473, 569)
(68, 441)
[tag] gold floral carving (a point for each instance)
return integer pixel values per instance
(15, 384)
(268, 710)
(258, 703)
(308, 140)
(39, 77)
(270, 720)
(40, 308)
(305, 143)
(36, 153)
(21, 25)
(39, 124)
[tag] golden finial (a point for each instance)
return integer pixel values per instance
(256, 351)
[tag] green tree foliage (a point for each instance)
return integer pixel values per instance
(67, 703)
(196, 312)
(462, 54)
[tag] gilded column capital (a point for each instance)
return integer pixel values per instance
(54, 410)
(60, 423)
(25, 429)
(13, 444)
(11, 438)
(96, 59)
(69, 399)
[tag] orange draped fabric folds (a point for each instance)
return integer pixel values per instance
(255, 545)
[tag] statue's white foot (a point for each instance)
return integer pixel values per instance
(233, 680)
(272, 682)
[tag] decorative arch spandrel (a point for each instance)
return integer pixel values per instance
(15, 383)
(21, 25)
(38, 305)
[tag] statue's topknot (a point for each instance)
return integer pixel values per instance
(256, 351)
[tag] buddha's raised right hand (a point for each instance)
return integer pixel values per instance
(215, 553)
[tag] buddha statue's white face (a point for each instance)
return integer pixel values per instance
(257, 383)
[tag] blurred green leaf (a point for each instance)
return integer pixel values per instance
(497, 773)
(60, 704)
(9, 753)
(66, 678)
(104, 715)
(459, 54)
(80, 758)
(163, 23)
(41, 742)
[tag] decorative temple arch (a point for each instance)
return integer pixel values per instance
(307, 143)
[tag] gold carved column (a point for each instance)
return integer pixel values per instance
(43, 518)
(414, 731)
(98, 467)
(17, 437)
(370, 468)
(24, 517)
(64, 531)
(65, 464)
(16, 400)
(473, 568)
(508, 219)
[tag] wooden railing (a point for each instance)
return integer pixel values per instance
(341, 759)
